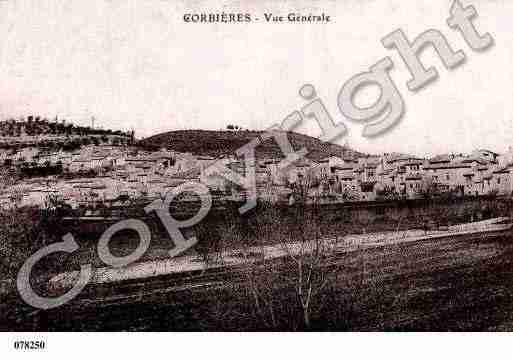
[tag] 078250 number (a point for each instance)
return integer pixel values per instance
(29, 345)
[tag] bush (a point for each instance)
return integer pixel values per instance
(22, 232)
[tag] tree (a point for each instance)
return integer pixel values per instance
(428, 187)
(309, 255)
(299, 262)
(209, 243)
(385, 192)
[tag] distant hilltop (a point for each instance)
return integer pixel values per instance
(219, 143)
(35, 130)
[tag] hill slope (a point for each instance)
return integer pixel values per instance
(35, 126)
(217, 143)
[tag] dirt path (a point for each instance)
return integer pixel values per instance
(238, 257)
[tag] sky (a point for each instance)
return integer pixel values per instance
(137, 64)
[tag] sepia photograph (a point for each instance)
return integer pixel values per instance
(277, 169)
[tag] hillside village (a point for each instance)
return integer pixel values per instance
(112, 170)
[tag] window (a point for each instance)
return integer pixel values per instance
(448, 177)
(499, 180)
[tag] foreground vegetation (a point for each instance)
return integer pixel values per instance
(438, 285)
(314, 287)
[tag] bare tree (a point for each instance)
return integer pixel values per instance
(261, 270)
(311, 254)
(299, 261)
(209, 245)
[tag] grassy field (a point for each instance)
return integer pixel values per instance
(448, 284)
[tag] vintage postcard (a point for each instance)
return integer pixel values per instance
(255, 166)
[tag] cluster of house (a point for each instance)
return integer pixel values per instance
(393, 176)
(117, 173)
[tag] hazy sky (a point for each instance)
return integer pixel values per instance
(137, 64)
